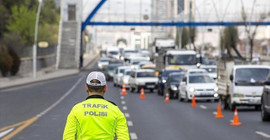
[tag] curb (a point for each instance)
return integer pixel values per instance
(49, 77)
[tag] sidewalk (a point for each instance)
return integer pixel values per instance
(43, 75)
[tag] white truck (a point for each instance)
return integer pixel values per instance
(176, 59)
(161, 44)
(240, 84)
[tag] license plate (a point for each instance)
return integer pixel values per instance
(150, 86)
(205, 93)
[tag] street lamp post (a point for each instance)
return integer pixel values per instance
(35, 41)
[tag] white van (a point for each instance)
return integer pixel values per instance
(241, 85)
(113, 52)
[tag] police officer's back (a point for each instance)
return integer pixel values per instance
(95, 118)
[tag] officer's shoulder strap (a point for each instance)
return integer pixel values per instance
(111, 102)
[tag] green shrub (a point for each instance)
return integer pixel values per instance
(16, 61)
(5, 61)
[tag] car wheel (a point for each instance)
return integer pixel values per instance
(137, 89)
(264, 115)
(131, 89)
(257, 107)
(114, 84)
(231, 105)
(161, 91)
(179, 96)
(224, 104)
(186, 98)
(151, 90)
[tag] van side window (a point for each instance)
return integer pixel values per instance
(184, 79)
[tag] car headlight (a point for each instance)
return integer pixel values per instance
(216, 89)
(238, 95)
(110, 73)
(125, 80)
(139, 83)
(173, 87)
(191, 89)
(163, 81)
(215, 95)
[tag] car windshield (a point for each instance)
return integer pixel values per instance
(251, 76)
(112, 67)
(202, 60)
(211, 70)
(135, 62)
(182, 60)
(122, 70)
(127, 72)
(197, 72)
(113, 52)
(104, 60)
(176, 77)
(131, 51)
(145, 74)
(166, 73)
(200, 79)
(115, 62)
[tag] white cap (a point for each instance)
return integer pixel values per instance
(98, 76)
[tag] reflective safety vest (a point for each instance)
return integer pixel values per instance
(96, 119)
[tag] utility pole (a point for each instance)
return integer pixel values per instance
(35, 42)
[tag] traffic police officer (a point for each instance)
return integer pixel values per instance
(96, 118)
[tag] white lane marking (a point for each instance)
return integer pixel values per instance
(203, 107)
(133, 136)
(6, 132)
(127, 115)
(262, 134)
(123, 102)
(124, 107)
(215, 113)
(61, 99)
(129, 123)
(122, 97)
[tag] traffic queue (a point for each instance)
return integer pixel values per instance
(184, 76)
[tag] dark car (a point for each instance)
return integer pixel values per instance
(162, 79)
(172, 84)
(265, 107)
(110, 70)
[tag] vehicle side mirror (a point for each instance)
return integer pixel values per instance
(231, 77)
(267, 83)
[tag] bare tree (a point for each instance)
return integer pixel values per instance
(251, 34)
(229, 40)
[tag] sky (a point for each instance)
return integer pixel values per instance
(113, 10)
(230, 10)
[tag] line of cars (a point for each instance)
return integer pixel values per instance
(203, 82)
(179, 84)
(133, 69)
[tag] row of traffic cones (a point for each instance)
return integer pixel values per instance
(193, 104)
(124, 91)
(219, 115)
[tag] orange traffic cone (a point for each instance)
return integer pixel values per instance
(193, 103)
(235, 119)
(123, 92)
(142, 96)
(219, 113)
(167, 98)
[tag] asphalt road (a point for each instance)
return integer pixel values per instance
(39, 111)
